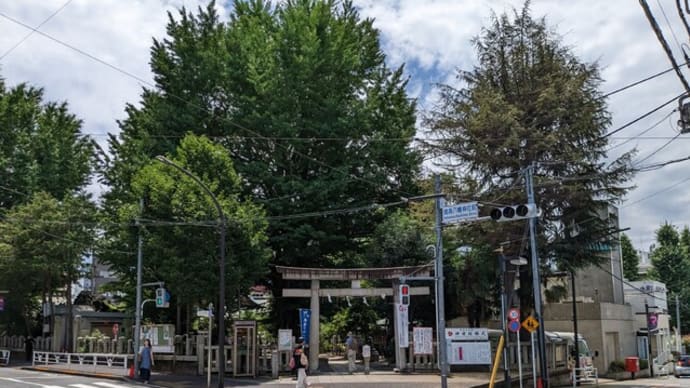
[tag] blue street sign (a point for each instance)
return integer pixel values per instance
(514, 326)
(460, 212)
(304, 319)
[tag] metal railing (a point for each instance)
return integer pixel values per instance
(95, 360)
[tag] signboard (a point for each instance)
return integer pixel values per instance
(513, 314)
(304, 318)
(2, 303)
(284, 340)
(403, 317)
(514, 326)
(467, 334)
(162, 337)
(469, 353)
(204, 314)
(460, 212)
(652, 321)
(530, 324)
(423, 338)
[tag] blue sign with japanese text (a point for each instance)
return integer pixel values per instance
(304, 319)
(460, 212)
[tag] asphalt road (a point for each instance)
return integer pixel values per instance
(17, 378)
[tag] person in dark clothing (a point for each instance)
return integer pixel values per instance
(29, 347)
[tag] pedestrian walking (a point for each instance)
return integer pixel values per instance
(146, 361)
(300, 362)
(351, 347)
(29, 348)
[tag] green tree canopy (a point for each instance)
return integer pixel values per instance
(41, 148)
(44, 243)
(531, 101)
(631, 260)
(301, 97)
(180, 224)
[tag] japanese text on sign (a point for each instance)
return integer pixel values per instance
(460, 212)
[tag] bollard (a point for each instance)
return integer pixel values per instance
(366, 354)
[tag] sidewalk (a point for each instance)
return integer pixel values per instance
(376, 378)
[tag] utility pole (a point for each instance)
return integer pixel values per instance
(138, 308)
(536, 280)
(576, 341)
(440, 303)
(678, 334)
(502, 278)
(649, 341)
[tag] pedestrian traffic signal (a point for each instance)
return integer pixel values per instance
(512, 213)
(404, 294)
(162, 298)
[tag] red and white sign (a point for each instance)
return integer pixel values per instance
(514, 314)
(2, 303)
(469, 353)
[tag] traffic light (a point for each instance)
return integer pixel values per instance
(162, 298)
(512, 213)
(404, 294)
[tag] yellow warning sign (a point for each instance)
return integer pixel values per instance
(530, 324)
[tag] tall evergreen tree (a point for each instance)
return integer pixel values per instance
(531, 101)
(631, 260)
(300, 95)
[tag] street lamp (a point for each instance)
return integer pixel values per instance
(221, 243)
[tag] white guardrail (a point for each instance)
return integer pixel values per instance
(115, 361)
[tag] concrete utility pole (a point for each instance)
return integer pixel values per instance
(536, 279)
(440, 302)
(678, 334)
(649, 340)
(576, 341)
(138, 308)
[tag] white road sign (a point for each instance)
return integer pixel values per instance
(460, 212)
(467, 334)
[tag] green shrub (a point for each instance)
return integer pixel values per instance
(617, 366)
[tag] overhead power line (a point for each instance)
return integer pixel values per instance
(626, 125)
(664, 44)
(46, 20)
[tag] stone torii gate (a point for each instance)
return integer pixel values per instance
(315, 275)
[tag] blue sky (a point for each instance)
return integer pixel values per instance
(431, 37)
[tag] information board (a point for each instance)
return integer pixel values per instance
(162, 337)
(469, 353)
(423, 340)
(285, 340)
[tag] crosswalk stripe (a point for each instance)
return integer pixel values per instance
(82, 386)
(110, 385)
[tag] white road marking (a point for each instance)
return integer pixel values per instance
(111, 385)
(83, 386)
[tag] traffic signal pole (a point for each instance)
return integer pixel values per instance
(536, 280)
(138, 310)
(440, 303)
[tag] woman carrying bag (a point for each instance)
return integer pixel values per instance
(300, 362)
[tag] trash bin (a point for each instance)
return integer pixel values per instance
(632, 365)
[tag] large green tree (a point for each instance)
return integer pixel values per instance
(41, 147)
(631, 260)
(179, 224)
(671, 266)
(45, 242)
(300, 95)
(530, 101)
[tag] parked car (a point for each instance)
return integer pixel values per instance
(682, 366)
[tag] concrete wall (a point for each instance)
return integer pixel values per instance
(595, 321)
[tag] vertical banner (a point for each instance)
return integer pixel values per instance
(304, 318)
(403, 317)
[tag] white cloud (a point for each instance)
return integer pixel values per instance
(431, 36)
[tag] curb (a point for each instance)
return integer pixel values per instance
(74, 372)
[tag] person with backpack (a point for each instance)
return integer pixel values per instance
(300, 362)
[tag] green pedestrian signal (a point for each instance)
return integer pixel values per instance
(162, 298)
